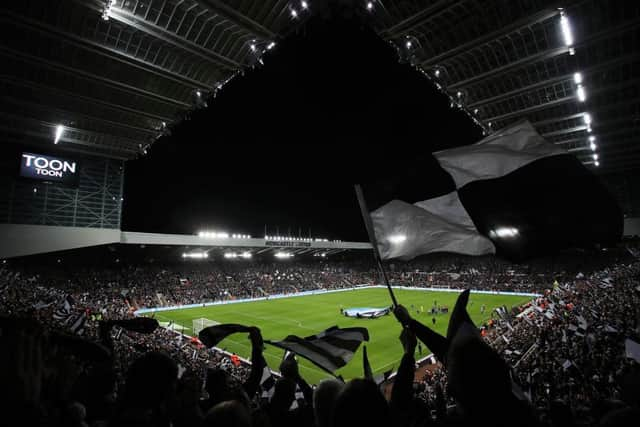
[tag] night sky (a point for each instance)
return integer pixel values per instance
(283, 144)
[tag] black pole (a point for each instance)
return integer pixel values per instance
(372, 238)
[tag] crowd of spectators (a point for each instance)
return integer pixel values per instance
(565, 350)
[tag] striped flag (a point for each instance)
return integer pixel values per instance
(268, 388)
(76, 324)
(64, 310)
(330, 349)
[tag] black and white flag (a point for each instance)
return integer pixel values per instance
(64, 310)
(513, 192)
(330, 350)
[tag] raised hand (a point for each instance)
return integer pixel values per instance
(408, 340)
(402, 314)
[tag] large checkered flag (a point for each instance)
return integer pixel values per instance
(513, 191)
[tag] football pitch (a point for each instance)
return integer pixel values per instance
(310, 314)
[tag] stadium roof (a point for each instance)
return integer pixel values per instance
(117, 74)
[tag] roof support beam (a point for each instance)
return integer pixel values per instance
(542, 56)
(544, 83)
(71, 114)
(38, 61)
(485, 39)
(558, 119)
(121, 143)
(168, 37)
(243, 21)
(599, 136)
(565, 131)
(87, 99)
(420, 18)
(532, 109)
(104, 50)
(66, 138)
(41, 140)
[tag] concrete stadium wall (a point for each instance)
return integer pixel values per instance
(21, 239)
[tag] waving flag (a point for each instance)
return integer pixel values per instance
(514, 192)
(330, 350)
(212, 335)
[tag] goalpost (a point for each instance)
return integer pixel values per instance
(200, 324)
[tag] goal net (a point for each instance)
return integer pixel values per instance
(200, 324)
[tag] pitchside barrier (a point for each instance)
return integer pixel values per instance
(322, 291)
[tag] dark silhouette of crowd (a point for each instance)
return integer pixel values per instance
(73, 352)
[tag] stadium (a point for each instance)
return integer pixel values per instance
(319, 213)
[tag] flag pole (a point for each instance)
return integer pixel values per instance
(372, 238)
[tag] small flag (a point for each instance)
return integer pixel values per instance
(212, 335)
(77, 324)
(64, 310)
(329, 350)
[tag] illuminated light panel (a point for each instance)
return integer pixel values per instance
(504, 232)
(396, 239)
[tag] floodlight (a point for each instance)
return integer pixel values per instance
(304, 5)
(370, 5)
(397, 238)
(504, 232)
(566, 30)
(587, 118)
(582, 94)
(577, 78)
(597, 163)
(294, 14)
(595, 156)
(59, 132)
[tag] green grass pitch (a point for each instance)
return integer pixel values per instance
(307, 315)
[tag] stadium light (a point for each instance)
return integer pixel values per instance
(195, 255)
(595, 156)
(396, 239)
(246, 255)
(283, 255)
(504, 232)
(582, 94)
(229, 255)
(566, 30)
(587, 118)
(59, 132)
(597, 163)
(577, 78)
